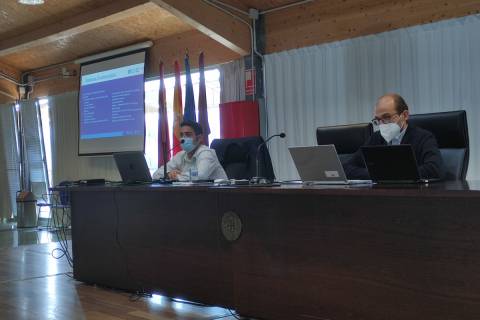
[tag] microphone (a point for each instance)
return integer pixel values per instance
(258, 179)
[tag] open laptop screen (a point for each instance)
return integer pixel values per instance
(318, 163)
(391, 163)
(132, 167)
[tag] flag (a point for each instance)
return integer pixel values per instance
(202, 101)
(177, 109)
(189, 111)
(163, 136)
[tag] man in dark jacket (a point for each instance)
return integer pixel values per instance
(391, 120)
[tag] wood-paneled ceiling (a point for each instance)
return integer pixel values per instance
(58, 31)
(153, 23)
(17, 19)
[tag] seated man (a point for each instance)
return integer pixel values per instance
(391, 120)
(195, 157)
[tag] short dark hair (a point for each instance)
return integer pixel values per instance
(197, 128)
(400, 104)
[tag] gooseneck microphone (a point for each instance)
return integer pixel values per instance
(258, 179)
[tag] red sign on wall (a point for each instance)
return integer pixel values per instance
(250, 83)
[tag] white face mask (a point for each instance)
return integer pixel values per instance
(389, 131)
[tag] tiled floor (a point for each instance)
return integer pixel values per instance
(10, 236)
(36, 285)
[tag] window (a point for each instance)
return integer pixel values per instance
(45, 118)
(44, 211)
(212, 84)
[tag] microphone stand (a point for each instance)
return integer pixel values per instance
(258, 179)
(165, 179)
(165, 153)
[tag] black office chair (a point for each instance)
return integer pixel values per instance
(238, 157)
(451, 131)
(346, 138)
(235, 161)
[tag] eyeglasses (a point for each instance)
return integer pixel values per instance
(387, 118)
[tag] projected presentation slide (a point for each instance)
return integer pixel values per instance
(112, 103)
(111, 106)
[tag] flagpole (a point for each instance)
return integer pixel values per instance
(202, 100)
(177, 109)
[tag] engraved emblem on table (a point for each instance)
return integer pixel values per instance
(231, 226)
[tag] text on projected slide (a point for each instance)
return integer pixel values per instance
(111, 103)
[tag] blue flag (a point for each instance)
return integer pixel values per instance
(189, 111)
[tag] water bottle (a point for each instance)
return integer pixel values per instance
(194, 171)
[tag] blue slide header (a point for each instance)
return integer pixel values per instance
(113, 74)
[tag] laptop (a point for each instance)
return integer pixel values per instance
(320, 165)
(392, 164)
(132, 166)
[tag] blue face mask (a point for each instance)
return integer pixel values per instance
(188, 145)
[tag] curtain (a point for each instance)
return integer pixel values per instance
(435, 67)
(232, 81)
(66, 163)
(9, 165)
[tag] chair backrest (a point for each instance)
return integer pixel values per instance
(235, 161)
(346, 138)
(238, 157)
(451, 131)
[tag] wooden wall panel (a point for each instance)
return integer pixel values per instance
(8, 90)
(325, 21)
(260, 5)
(58, 84)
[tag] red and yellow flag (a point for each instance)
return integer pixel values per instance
(177, 109)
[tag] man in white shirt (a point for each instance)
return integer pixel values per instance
(196, 161)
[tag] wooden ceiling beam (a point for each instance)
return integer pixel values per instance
(115, 11)
(211, 21)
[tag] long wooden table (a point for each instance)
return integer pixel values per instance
(398, 252)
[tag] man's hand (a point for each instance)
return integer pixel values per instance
(173, 175)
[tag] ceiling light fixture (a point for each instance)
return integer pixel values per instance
(31, 2)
